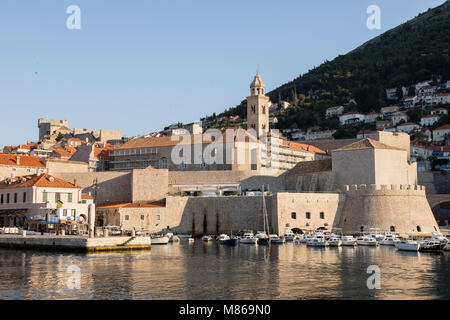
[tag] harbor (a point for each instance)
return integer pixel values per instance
(209, 270)
(74, 243)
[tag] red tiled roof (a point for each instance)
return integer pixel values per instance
(44, 180)
(302, 147)
(86, 196)
(431, 116)
(131, 205)
(408, 124)
(22, 161)
(444, 127)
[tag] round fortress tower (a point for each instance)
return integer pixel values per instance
(395, 208)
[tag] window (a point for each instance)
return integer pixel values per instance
(57, 197)
(7, 198)
(158, 217)
(69, 197)
(83, 201)
(253, 109)
(293, 215)
(392, 229)
(15, 197)
(308, 215)
(361, 228)
(24, 197)
(164, 163)
(264, 110)
(203, 163)
(322, 215)
(183, 164)
(44, 197)
(65, 212)
(419, 229)
(142, 217)
(2, 198)
(127, 217)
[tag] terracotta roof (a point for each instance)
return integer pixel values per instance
(302, 147)
(431, 116)
(408, 124)
(44, 180)
(168, 141)
(131, 205)
(86, 196)
(444, 127)
(390, 108)
(24, 161)
(366, 144)
(439, 109)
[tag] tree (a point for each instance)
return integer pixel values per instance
(60, 137)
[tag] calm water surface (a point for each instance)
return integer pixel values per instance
(213, 271)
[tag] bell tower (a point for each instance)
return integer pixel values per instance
(258, 107)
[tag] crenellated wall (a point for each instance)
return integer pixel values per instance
(404, 207)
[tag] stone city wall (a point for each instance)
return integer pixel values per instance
(403, 207)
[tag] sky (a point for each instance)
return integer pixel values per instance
(140, 65)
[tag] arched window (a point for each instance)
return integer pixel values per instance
(361, 228)
(392, 229)
(419, 229)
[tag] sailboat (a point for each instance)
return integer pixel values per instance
(262, 236)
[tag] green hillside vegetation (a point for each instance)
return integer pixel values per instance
(415, 51)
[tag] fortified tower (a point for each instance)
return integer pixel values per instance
(258, 107)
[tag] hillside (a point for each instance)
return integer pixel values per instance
(414, 51)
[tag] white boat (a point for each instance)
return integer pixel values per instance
(262, 237)
(390, 240)
(191, 240)
(159, 240)
(222, 238)
(289, 236)
(334, 242)
(439, 237)
(276, 239)
(378, 237)
(207, 238)
(305, 238)
(432, 245)
(184, 236)
(316, 242)
(407, 245)
(367, 241)
(248, 238)
(349, 241)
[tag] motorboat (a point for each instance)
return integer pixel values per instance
(276, 239)
(289, 236)
(432, 245)
(367, 241)
(232, 241)
(316, 242)
(305, 238)
(222, 238)
(390, 240)
(159, 239)
(184, 236)
(207, 238)
(439, 237)
(248, 238)
(263, 238)
(407, 245)
(349, 241)
(376, 236)
(334, 242)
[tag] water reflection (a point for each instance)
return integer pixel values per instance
(212, 271)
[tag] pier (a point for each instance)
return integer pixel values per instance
(74, 243)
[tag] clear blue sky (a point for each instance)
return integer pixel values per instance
(143, 64)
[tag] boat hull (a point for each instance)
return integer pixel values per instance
(407, 246)
(161, 240)
(231, 242)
